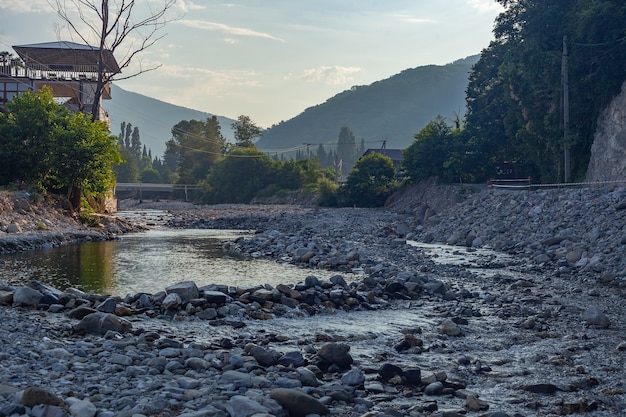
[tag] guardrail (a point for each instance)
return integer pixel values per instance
(140, 187)
(526, 184)
(517, 183)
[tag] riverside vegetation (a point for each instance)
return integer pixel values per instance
(534, 328)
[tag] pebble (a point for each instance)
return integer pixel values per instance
(120, 368)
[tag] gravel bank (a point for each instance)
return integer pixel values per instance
(539, 332)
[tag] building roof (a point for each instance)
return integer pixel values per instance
(65, 56)
(393, 154)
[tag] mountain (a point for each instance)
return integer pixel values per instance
(154, 118)
(393, 109)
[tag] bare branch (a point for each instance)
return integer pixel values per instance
(113, 28)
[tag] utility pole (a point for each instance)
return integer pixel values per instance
(308, 150)
(565, 85)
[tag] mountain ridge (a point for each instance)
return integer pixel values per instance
(155, 119)
(390, 110)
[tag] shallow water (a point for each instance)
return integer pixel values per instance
(149, 262)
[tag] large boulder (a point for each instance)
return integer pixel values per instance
(297, 403)
(608, 151)
(100, 323)
(187, 290)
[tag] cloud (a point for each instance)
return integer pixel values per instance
(485, 6)
(414, 20)
(186, 6)
(31, 6)
(329, 75)
(230, 30)
(223, 79)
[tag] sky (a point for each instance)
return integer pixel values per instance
(272, 59)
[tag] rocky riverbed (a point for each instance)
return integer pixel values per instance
(523, 317)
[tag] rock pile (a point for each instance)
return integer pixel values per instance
(95, 361)
(570, 231)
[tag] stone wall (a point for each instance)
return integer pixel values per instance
(608, 152)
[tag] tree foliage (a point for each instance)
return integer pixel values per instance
(245, 131)
(436, 152)
(46, 145)
(239, 176)
(194, 148)
(371, 181)
(514, 98)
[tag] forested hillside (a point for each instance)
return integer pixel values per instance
(516, 97)
(394, 109)
(154, 118)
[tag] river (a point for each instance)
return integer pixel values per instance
(148, 262)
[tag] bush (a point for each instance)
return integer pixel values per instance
(327, 193)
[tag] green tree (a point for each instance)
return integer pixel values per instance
(431, 152)
(514, 97)
(245, 131)
(195, 147)
(371, 181)
(127, 170)
(239, 176)
(45, 145)
(83, 158)
(27, 141)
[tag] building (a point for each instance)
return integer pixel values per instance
(394, 154)
(69, 69)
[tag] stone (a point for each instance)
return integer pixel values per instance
(215, 297)
(187, 290)
(265, 357)
(100, 323)
(14, 228)
(82, 408)
(33, 396)
(242, 406)
(107, 306)
(354, 377)
(26, 296)
(450, 328)
(335, 353)
(297, 403)
(292, 358)
(594, 317)
(435, 388)
(388, 371)
(473, 403)
(172, 301)
(80, 312)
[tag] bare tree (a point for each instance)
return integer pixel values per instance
(119, 29)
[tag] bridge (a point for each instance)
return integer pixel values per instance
(138, 188)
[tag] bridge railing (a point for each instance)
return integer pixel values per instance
(140, 187)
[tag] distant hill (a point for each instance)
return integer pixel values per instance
(393, 109)
(153, 117)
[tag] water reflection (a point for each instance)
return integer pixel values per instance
(148, 262)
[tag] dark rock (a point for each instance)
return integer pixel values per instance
(388, 371)
(80, 312)
(435, 388)
(297, 403)
(33, 396)
(187, 290)
(335, 353)
(293, 358)
(265, 357)
(107, 306)
(541, 388)
(413, 376)
(100, 323)
(26, 296)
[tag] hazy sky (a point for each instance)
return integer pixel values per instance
(271, 59)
